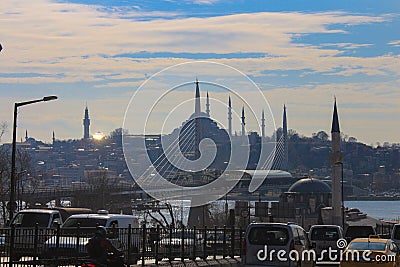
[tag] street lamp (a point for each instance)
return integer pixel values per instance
(12, 180)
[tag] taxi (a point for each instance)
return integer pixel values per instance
(372, 251)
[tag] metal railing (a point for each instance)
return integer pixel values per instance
(60, 246)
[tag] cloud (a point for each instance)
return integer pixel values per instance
(81, 46)
(82, 41)
(395, 43)
(205, 2)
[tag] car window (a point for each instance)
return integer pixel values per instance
(29, 219)
(264, 235)
(392, 247)
(359, 231)
(296, 236)
(396, 234)
(325, 234)
(367, 246)
(84, 222)
(301, 235)
(178, 234)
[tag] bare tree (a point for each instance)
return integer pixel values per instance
(163, 221)
(100, 183)
(4, 174)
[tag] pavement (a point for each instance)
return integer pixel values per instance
(190, 263)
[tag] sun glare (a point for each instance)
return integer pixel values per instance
(98, 136)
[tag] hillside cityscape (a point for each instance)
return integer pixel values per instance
(368, 171)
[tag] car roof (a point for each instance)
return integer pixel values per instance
(370, 239)
(38, 211)
(101, 216)
(325, 226)
(292, 225)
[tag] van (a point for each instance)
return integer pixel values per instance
(83, 227)
(323, 238)
(395, 236)
(24, 223)
(358, 231)
(277, 244)
(44, 217)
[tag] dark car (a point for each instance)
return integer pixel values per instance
(359, 231)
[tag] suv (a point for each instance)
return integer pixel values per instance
(78, 229)
(396, 234)
(24, 223)
(323, 238)
(272, 244)
(362, 231)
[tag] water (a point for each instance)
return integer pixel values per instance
(388, 210)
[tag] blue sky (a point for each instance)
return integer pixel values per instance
(299, 53)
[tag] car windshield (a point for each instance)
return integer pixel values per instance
(84, 222)
(30, 219)
(325, 233)
(396, 234)
(264, 235)
(218, 236)
(367, 246)
(359, 231)
(178, 234)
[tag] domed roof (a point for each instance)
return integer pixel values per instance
(310, 185)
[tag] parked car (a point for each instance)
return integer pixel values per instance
(355, 231)
(323, 238)
(25, 222)
(78, 229)
(177, 242)
(265, 241)
(395, 236)
(372, 251)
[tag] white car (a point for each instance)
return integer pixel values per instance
(323, 238)
(83, 226)
(177, 243)
(276, 244)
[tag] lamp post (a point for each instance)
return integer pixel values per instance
(12, 180)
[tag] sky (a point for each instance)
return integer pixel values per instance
(301, 54)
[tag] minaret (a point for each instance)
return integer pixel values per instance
(197, 108)
(197, 113)
(208, 106)
(86, 124)
(336, 158)
(243, 123)
(262, 125)
(54, 137)
(26, 135)
(229, 116)
(285, 143)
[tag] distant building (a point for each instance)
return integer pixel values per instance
(86, 124)
(303, 202)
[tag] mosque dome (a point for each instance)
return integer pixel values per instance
(310, 185)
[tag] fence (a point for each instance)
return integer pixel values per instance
(57, 247)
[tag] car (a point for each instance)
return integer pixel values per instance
(323, 238)
(178, 243)
(78, 229)
(371, 251)
(25, 221)
(354, 231)
(219, 242)
(277, 244)
(395, 235)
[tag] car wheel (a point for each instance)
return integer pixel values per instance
(204, 257)
(15, 257)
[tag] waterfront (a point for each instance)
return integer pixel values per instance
(389, 210)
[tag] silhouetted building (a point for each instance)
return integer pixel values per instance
(86, 124)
